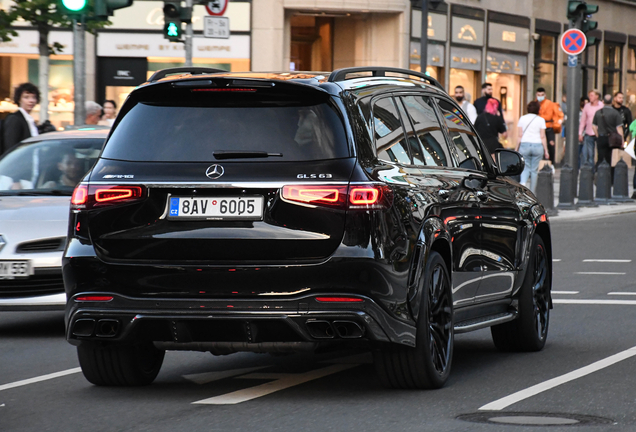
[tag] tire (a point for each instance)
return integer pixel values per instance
(428, 365)
(120, 365)
(529, 331)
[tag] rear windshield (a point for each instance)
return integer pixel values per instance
(155, 133)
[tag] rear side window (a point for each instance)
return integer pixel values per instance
(159, 133)
(390, 142)
(427, 128)
(470, 155)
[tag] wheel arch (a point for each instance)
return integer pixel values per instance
(543, 230)
(432, 237)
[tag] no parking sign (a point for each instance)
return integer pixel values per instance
(573, 42)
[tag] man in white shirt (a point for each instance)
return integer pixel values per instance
(465, 105)
(20, 125)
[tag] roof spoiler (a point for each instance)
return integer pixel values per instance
(192, 70)
(341, 74)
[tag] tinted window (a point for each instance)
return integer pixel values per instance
(46, 166)
(469, 153)
(390, 142)
(193, 133)
(427, 128)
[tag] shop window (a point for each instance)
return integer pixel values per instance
(311, 43)
(612, 66)
(545, 64)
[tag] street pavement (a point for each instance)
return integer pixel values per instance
(586, 369)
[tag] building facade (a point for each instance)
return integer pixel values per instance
(512, 44)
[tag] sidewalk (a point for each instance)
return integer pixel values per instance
(592, 212)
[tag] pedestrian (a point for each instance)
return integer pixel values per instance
(489, 125)
(20, 125)
(626, 114)
(586, 132)
(584, 100)
(486, 94)
(564, 110)
(632, 132)
(93, 113)
(532, 143)
(553, 116)
(465, 104)
(605, 121)
(109, 113)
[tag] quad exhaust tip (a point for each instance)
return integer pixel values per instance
(104, 328)
(323, 329)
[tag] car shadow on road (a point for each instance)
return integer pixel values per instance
(31, 324)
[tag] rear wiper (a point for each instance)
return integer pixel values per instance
(244, 154)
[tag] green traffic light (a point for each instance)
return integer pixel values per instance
(173, 30)
(74, 5)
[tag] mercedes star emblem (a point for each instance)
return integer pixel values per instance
(214, 171)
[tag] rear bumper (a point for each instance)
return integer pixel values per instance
(253, 324)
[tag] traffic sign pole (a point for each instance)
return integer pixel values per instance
(572, 47)
(188, 38)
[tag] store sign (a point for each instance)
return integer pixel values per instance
(465, 58)
(434, 52)
(27, 42)
(148, 15)
(123, 72)
(467, 31)
(506, 63)
(510, 38)
(154, 45)
(436, 25)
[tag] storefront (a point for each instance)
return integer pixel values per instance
(132, 49)
(436, 48)
(19, 64)
(507, 66)
(466, 50)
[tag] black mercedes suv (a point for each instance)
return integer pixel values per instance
(287, 212)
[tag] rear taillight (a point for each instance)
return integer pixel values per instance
(329, 196)
(354, 197)
(92, 196)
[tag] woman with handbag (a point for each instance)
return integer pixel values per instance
(608, 128)
(532, 143)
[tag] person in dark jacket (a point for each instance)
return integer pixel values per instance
(20, 125)
(489, 125)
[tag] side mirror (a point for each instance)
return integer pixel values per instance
(509, 162)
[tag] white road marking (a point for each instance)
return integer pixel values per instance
(207, 377)
(595, 302)
(622, 293)
(600, 273)
(273, 386)
(40, 378)
(565, 292)
(265, 376)
(556, 260)
(608, 260)
(554, 382)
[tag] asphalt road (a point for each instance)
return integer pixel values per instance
(586, 369)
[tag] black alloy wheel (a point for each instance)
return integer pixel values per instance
(428, 365)
(529, 331)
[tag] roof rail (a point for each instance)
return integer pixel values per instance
(193, 70)
(341, 74)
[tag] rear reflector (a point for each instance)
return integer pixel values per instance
(353, 197)
(91, 196)
(339, 299)
(94, 298)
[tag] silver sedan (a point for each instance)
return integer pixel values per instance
(37, 179)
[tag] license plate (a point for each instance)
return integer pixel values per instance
(15, 269)
(216, 208)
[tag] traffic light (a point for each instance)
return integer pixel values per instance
(74, 7)
(575, 8)
(105, 8)
(589, 25)
(174, 15)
